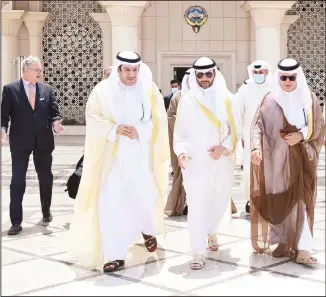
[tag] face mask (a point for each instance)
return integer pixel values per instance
(174, 90)
(259, 78)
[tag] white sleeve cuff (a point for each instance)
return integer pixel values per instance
(228, 143)
(304, 132)
(112, 135)
(145, 131)
(179, 149)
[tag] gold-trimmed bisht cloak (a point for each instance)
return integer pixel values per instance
(283, 187)
(99, 154)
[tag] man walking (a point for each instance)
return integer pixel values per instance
(205, 136)
(31, 109)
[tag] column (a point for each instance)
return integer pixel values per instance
(34, 22)
(11, 22)
(105, 24)
(268, 16)
(287, 21)
(125, 16)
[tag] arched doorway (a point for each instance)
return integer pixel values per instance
(72, 55)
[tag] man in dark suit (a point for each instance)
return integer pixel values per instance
(31, 109)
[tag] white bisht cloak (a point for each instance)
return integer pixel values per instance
(84, 235)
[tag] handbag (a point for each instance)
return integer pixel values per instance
(73, 182)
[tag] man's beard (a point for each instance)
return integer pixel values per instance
(206, 86)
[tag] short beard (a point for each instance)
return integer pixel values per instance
(210, 84)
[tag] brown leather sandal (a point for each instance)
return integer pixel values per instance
(304, 257)
(113, 265)
(150, 242)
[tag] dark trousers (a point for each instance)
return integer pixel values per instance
(43, 163)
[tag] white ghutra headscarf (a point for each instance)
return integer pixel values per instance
(301, 96)
(258, 65)
(185, 83)
(144, 80)
(218, 88)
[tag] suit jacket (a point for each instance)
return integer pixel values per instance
(27, 126)
(167, 100)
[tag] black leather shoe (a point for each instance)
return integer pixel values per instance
(185, 210)
(47, 218)
(15, 229)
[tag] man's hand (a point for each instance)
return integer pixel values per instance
(216, 151)
(256, 157)
(133, 133)
(293, 138)
(123, 130)
(183, 160)
(4, 136)
(58, 128)
(127, 131)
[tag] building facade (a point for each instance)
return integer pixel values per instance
(77, 39)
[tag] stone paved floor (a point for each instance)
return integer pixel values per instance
(36, 262)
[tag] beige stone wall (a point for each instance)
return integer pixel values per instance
(164, 29)
(23, 37)
(23, 41)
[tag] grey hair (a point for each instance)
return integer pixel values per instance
(29, 61)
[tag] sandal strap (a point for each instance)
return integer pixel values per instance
(116, 263)
(198, 260)
(150, 242)
(305, 257)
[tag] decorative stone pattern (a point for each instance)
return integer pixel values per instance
(306, 43)
(72, 54)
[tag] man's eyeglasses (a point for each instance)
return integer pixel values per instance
(37, 70)
(207, 74)
(290, 77)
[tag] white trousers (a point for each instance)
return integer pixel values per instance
(208, 184)
(125, 211)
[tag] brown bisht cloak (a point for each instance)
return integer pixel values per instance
(177, 197)
(284, 185)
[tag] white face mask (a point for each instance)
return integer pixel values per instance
(173, 90)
